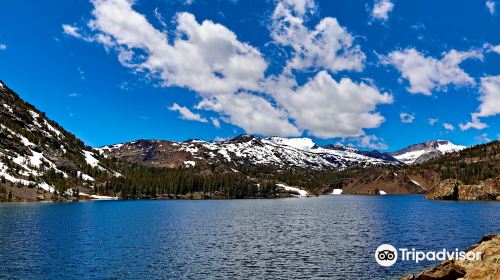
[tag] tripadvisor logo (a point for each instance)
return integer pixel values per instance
(387, 255)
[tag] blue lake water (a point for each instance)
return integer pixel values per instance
(330, 237)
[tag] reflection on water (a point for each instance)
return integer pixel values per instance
(331, 237)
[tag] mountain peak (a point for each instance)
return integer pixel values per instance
(421, 152)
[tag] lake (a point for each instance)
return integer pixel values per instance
(330, 237)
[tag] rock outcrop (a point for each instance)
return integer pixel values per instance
(452, 189)
(487, 268)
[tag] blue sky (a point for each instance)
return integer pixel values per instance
(375, 74)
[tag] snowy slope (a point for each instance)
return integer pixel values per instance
(37, 152)
(244, 150)
(422, 152)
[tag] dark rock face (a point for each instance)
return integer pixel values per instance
(452, 189)
(487, 267)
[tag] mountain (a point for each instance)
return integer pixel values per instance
(473, 168)
(241, 151)
(36, 152)
(40, 160)
(422, 152)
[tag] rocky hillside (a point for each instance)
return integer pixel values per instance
(471, 166)
(244, 150)
(422, 152)
(382, 182)
(36, 152)
(452, 189)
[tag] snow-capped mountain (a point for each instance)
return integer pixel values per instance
(37, 152)
(244, 150)
(422, 152)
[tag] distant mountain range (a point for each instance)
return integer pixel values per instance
(245, 150)
(273, 151)
(36, 151)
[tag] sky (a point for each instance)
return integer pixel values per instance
(376, 74)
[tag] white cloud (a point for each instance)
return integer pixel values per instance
(490, 5)
(215, 122)
(433, 121)
(426, 73)
(490, 96)
(187, 114)
(329, 46)
(2, 47)
(474, 123)
(406, 118)
(483, 138)
(489, 102)
(229, 75)
(72, 31)
(381, 10)
(495, 49)
(448, 126)
(369, 141)
(160, 19)
(327, 108)
(253, 113)
(206, 57)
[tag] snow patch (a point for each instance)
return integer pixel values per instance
(90, 159)
(381, 192)
(294, 190)
(99, 197)
(337, 191)
(304, 144)
(8, 108)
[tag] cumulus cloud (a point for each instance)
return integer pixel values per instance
(187, 114)
(2, 47)
(490, 96)
(328, 46)
(229, 75)
(253, 113)
(489, 102)
(381, 10)
(491, 6)
(448, 126)
(433, 121)
(426, 73)
(327, 108)
(406, 118)
(206, 57)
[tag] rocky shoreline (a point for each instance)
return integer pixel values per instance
(453, 189)
(487, 268)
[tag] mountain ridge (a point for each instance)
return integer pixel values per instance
(243, 149)
(37, 153)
